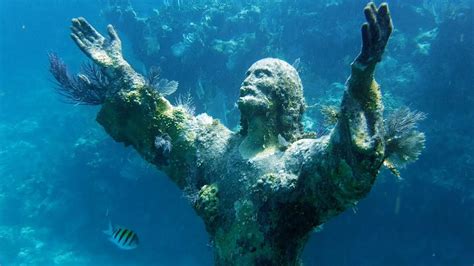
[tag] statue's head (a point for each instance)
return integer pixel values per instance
(272, 89)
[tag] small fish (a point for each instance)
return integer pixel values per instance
(122, 237)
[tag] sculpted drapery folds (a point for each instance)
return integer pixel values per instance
(263, 189)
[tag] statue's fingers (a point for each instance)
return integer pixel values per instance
(112, 33)
(373, 7)
(366, 38)
(80, 35)
(369, 15)
(91, 33)
(383, 10)
(371, 18)
(76, 25)
(78, 29)
(79, 25)
(79, 43)
(75, 22)
(385, 19)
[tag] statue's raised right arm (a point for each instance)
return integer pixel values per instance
(134, 113)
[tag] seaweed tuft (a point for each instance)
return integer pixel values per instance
(404, 143)
(89, 87)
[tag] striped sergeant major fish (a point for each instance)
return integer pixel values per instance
(122, 237)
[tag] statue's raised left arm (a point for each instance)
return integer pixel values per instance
(356, 144)
(339, 169)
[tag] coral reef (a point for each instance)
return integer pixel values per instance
(32, 247)
(449, 146)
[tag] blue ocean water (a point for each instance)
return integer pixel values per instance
(62, 177)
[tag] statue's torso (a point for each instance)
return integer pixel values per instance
(258, 212)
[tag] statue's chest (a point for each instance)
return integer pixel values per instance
(261, 176)
(249, 171)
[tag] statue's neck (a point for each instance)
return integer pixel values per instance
(261, 138)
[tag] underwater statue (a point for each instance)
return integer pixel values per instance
(261, 191)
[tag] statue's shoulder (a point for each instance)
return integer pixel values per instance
(305, 150)
(308, 144)
(206, 126)
(213, 139)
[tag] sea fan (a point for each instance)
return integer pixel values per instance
(89, 87)
(403, 142)
(153, 75)
(163, 86)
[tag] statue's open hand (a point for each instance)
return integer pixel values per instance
(106, 53)
(375, 33)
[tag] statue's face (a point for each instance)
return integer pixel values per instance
(270, 85)
(256, 89)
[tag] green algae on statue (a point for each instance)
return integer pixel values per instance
(260, 191)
